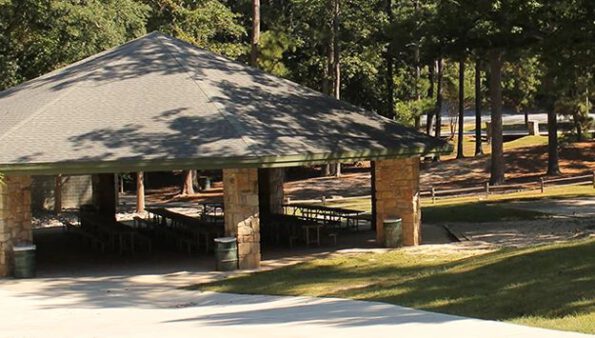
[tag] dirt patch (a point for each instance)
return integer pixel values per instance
(520, 234)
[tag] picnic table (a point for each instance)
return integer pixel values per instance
(295, 227)
(197, 228)
(118, 236)
(212, 212)
(328, 215)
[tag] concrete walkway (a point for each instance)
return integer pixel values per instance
(148, 306)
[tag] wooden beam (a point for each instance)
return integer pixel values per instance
(140, 192)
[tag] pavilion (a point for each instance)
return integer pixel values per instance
(157, 104)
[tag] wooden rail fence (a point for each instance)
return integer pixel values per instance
(488, 189)
(484, 190)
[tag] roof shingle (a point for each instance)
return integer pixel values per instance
(157, 102)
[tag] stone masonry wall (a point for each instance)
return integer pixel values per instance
(15, 218)
(397, 195)
(240, 194)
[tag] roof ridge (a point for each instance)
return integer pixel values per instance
(236, 126)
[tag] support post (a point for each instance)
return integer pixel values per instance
(240, 195)
(398, 196)
(270, 193)
(15, 218)
(104, 194)
(433, 195)
(58, 195)
(140, 192)
(373, 193)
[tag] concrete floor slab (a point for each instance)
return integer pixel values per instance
(149, 306)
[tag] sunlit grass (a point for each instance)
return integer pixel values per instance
(469, 145)
(549, 286)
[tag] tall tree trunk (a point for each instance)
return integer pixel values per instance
(188, 185)
(390, 81)
(553, 158)
(337, 63)
(438, 113)
(478, 148)
(553, 165)
(417, 71)
(460, 153)
(577, 125)
(330, 85)
(255, 33)
(140, 192)
(430, 117)
(497, 163)
(336, 49)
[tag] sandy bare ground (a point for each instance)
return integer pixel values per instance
(525, 233)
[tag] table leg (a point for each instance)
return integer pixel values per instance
(132, 243)
(318, 236)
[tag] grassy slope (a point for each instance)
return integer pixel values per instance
(549, 286)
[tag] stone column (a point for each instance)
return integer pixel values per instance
(270, 199)
(240, 195)
(15, 218)
(397, 195)
(104, 194)
(270, 191)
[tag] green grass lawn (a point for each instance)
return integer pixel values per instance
(551, 286)
(522, 142)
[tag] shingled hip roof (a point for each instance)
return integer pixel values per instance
(158, 103)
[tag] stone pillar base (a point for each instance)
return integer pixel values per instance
(240, 194)
(15, 218)
(397, 196)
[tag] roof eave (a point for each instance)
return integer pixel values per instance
(97, 167)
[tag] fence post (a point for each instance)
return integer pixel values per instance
(542, 185)
(433, 190)
(487, 189)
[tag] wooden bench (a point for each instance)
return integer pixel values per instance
(180, 241)
(94, 241)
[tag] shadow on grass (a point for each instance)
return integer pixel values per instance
(547, 281)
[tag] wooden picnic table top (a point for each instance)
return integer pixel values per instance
(316, 207)
(212, 204)
(188, 221)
